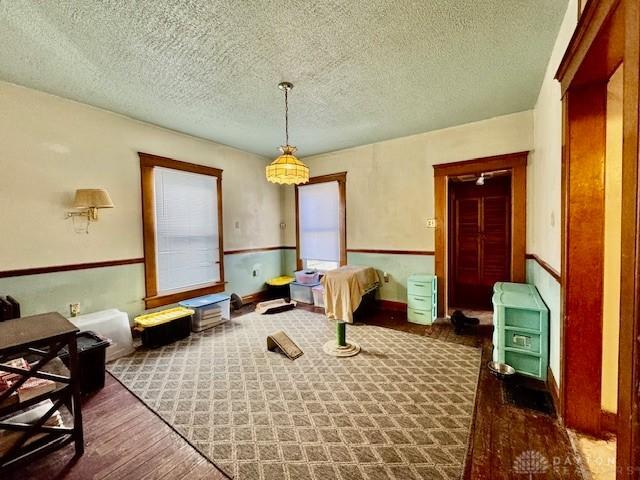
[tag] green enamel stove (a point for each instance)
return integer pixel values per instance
(521, 329)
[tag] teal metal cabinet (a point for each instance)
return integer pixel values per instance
(422, 295)
(521, 329)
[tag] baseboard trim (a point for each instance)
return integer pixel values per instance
(608, 421)
(552, 384)
(389, 305)
(392, 306)
(255, 297)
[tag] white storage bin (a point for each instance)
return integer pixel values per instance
(206, 310)
(318, 296)
(307, 277)
(112, 324)
(302, 293)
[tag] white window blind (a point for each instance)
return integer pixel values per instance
(319, 223)
(187, 248)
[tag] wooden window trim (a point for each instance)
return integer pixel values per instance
(341, 178)
(153, 298)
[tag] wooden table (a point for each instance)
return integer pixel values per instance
(41, 338)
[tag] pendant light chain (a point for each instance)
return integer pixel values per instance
(286, 115)
(287, 169)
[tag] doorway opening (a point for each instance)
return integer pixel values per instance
(472, 224)
(479, 237)
(607, 37)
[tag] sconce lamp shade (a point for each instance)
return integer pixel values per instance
(92, 198)
(287, 169)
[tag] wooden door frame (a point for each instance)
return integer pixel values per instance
(582, 265)
(341, 178)
(607, 35)
(516, 163)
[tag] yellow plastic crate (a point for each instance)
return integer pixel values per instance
(280, 281)
(164, 316)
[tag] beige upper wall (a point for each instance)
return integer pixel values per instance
(390, 184)
(544, 185)
(52, 146)
(545, 161)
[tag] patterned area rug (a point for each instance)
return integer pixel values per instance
(401, 409)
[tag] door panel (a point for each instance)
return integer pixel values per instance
(480, 240)
(496, 239)
(468, 253)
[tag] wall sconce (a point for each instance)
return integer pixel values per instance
(90, 200)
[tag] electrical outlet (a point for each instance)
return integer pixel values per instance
(237, 225)
(431, 223)
(283, 225)
(74, 309)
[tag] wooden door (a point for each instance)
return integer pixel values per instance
(480, 240)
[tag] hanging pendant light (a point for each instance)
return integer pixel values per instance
(287, 169)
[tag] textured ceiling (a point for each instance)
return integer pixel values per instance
(364, 70)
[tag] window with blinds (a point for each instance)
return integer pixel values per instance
(186, 220)
(319, 225)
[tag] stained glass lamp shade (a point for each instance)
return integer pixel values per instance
(287, 169)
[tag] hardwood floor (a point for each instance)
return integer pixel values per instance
(123, 440)
(502, 434)
(126, 440)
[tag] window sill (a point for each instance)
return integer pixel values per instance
(174, 297)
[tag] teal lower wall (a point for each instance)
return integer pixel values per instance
(549, 289)
(288, 261)
(122, 287)
(94, 289)
(239, 267)
(399, 267)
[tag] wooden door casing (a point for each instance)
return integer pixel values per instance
(516, 164)
(607, 35)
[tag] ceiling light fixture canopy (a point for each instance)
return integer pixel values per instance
(287, 169)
